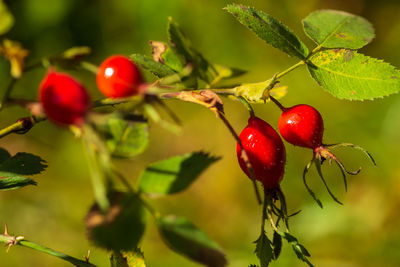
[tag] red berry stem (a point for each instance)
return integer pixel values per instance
(276, 102)
(243, 154)
(247, 105)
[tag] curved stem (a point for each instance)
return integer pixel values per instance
(12, 240)
(21, 126)
(247, 105)
(283, 73)
(276, 102)
(243, 155)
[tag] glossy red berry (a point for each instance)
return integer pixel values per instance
(118, 77)
(302, 125)
(64, 100)
(265, 151)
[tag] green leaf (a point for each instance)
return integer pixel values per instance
(133, 258)
(300, 250)
(158, 69)
(264, 250)
(269, 29)
(186, 239)
(119, 228)
(167, 55)
(224, 72)
(174, 174)
(338, 29)
(127, 138)
(4, 155)
(202, 68)
(6, 18)
(350, 75)
(118, 260)
(9, 181)
(24, 164)
(277, 245)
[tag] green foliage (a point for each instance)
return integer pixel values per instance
(174, 174)
(158, 69)
(183, 46)
(300, 250)
(125, 135)
(350, 75)
(9, 181)
(165, 53)
(12, 167)
(186, 239)
(121, 227)
(277, 244)
(338, 29)
(264, 250)
(255, 92)
(133, 258)
(6, 18)
(24, 164)
(269, 29)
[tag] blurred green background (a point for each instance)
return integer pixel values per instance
(363, 232)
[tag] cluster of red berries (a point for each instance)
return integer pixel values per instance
(300, 125)
(66, 101)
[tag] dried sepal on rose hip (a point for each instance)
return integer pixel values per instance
(302, 125)
(64, 100)
(119, 77)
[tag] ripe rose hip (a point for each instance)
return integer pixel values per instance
(302, 125)
(64, 100)
(265, 151)
(118, 77)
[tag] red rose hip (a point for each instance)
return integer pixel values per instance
(265, 151)
(302, 125)
(64, 100)
(118, 77)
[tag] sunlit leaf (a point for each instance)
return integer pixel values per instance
(186, 239)
(158, 69)
(350, 75)
(269, 29)
(167, 55)
(338, 29)
(134, 258)
(260, 92)
(174, 174)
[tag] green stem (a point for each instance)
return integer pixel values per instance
(21, 126)
(247, 104)
(6, 239)
(283, 73)
(89, 67)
